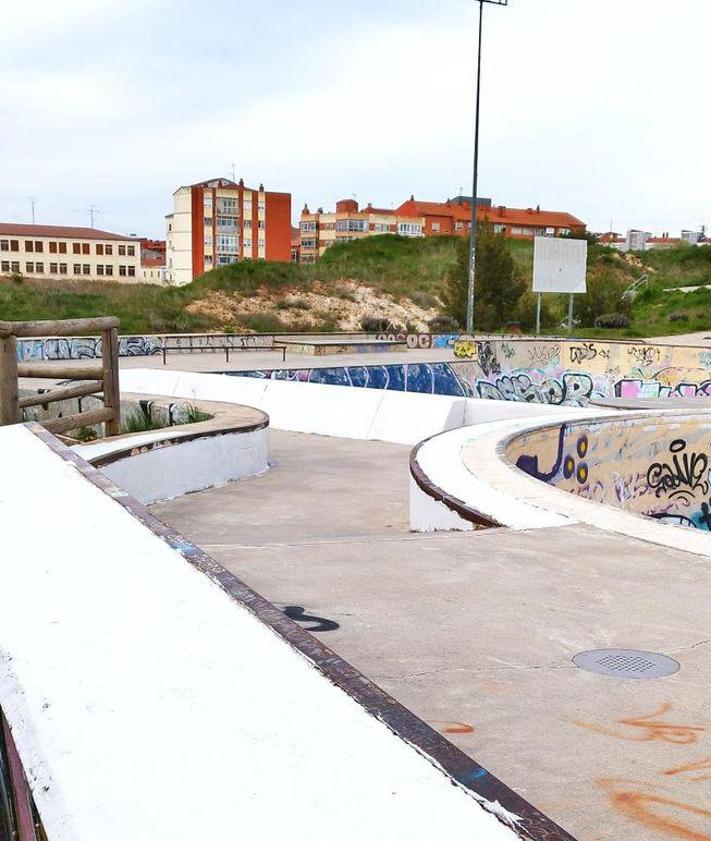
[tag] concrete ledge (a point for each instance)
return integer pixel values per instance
(165, 463)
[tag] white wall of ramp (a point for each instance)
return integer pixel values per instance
(339, 411)
(146, 704)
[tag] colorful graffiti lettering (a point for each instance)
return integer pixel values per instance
(635, 389)
(572, 388)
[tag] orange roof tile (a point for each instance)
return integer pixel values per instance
(60, 231)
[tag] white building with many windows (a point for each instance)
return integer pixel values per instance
(55, 251)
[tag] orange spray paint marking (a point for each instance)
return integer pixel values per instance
(454, 727)
(663, 731)
(643, 808)
(699, 765)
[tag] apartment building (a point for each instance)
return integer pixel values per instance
(55, 251)
(218, 222)
(320, 230)
(453, 218)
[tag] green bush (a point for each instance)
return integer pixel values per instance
(615, 320)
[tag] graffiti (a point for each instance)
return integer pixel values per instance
(572, 388)
(644, 355)
(421, 378)
(420, 341)
(319, 625)
(663, 731)
(465, 347)
(139, 346)
(661, 814)
(488, 362)
(452, 727)
(636, 389)
(542, 354)
(630, 487)
(698, 765)
(530, 463)
(579, 353)
(506, 350)
(683, 476)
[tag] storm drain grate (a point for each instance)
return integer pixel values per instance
(625, 663)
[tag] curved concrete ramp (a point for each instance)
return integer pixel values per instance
(154, 697)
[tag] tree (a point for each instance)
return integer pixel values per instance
(498, 284)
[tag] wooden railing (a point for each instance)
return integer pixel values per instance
(103, 378)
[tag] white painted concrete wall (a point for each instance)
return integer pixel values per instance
(340, 411)
(181, 467)
(148, 705)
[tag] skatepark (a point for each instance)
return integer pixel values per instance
(394, 592)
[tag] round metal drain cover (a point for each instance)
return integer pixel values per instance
(626, 663)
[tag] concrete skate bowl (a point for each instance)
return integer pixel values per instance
(541, 371)
(657, 466)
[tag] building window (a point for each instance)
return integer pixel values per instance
(435, 227)
(248, 224)
(122, 271)
(226, 259)
(76, 248)
(227, 223)
(227, 244)
(109, 271)
(38, 246)
(53, 268)
(208, 259)
(261, 207)
(352, 225)
(39, 268)
(29, 245)
(4, 244)
(62, 248)
(14, 245)
(409, 229)
(207, 242)
(108, 250)
(131, 271)
(62, 268)
(5, 266)
(261, 244)
(30, 268)
(122, 250)
(100, 269)
(247, 209)
(131, 250)
(53, 248)
(308, 226)
(100, 249)
(261, 224)
(248, 244)
(227, 205)
(208, 201)
(86, 269)
(208, 221)
(77, 268)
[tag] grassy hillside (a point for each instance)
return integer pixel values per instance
(409, 272)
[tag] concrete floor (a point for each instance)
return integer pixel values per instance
(475, 632)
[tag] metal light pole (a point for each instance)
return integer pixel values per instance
(475, 184)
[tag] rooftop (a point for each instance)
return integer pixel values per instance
(60, 231)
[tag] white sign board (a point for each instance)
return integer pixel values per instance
(560, 265)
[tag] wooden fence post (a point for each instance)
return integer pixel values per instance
(110, 365)
(9, 408)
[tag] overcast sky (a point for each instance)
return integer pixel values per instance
(597, 107)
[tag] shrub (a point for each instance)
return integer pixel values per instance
(373, 324)
(443, 324)
(612, 321)
(678, 316)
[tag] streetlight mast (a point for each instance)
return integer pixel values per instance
(475, 179)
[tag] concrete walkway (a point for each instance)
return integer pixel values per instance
(475, 632)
